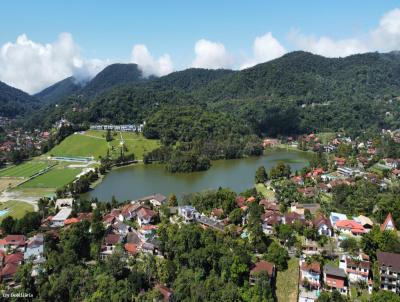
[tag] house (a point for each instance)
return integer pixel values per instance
(108, 247)
(269, 205)
(145, 216)
(396, 173)
(131, 249)
(147, 231)
(262, 267)
(207, 222)
(334, 217)
(300, 208)
(111, 217)
(310, 275)
(350, 227)
(270, 142)
(121, 228)
(34, 248)
(64, 203)
(346, 171)
(323, 225)
(292, 217)
(364, 221)
(60, 217)
(156, 200)
(335, 279)
(7, 272)
(269, 220)
(389, 269)
(310, 247)
(308, 192)
(188, 213)
(165, 292)
(13, 242)
(217, 213)
(129, 211)
(392, 163)
(357, 268)
(388, 224)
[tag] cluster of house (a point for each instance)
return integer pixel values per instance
(18, 139)
(128, 128)
(16, 250)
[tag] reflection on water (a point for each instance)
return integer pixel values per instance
(136, 181)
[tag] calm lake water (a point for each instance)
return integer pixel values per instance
(132, 182)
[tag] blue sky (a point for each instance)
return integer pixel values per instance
(108, 30)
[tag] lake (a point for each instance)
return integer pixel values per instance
(135, 181)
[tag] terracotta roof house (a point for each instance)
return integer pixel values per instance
(270, 219)
(335, 279)
(8, 271)
(131, 248)
(156, 200)
(165, 291)
(389, 269)
(16, 258)
(323, 225)
(13, 242)
(217, 213)
(292, 217)
(310, 275)
(350, 227)
(269, 205)
(262, 267)
(108, 247)
(145, 216)
(388, 224)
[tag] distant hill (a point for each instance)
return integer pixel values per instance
(298, 92)
(59, 90)
(14, 102)
(112, 76)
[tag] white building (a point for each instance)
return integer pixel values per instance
(58, 220)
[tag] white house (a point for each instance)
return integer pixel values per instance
(188, 213)
(34, 248)
(58, 220)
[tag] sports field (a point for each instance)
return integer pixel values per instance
(24, 170)
(14, 208)
(93, 143)
(55, 178)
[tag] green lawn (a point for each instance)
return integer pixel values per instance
(93, 143)
(55, 178)
(17, 209)
(287, 282)
(326, 137)
(24, 170)
(269, 194)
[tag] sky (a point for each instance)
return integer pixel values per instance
(42, 42)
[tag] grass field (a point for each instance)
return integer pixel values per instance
(17, 209)
(93, 143)
(55, 178)
(24, 170)
(287, 282)
(326, 137)
(269, 194)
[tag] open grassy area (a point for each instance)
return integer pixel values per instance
(287, 282)
(363, 297)
(326, 137)
(16, 208)
(24, 170)
(93, 143)
(269, 194)
(55, 178)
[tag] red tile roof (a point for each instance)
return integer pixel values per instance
(263, 266)
(351, 225)
(9, 269)
(14, 258)
(131, 248)
(315, 267)
(112, 239)
(388, 219)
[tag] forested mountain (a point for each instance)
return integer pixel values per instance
(296, 93)
(14, 102)
(112, 76)
(59, 90)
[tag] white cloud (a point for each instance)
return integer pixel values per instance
(385, 37)
(150, 66)
(265, 48)
(211, 55)
(32, 66)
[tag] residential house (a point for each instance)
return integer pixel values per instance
(262, 267)
(111, 217)
(131, 249)
(292, 217)
(269, 220)
(323, 225)
(388, 224)
(188, 213)
(310, 275)
(364, 221)
(357, 269)
(60, 217)
(147, 231)
(156, 200)
(64, 203)
(335, 279)
(389, 269)
(13, 242)
(217, 213)
(35, 248)
(334, 217)
(207, 222)
(350, 227)
(108, 247)
(145, 216)
(300, 208)
(310, 247)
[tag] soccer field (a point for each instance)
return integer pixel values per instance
(55, 178)
(14, 208)
(24, 170)
(93, 143)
